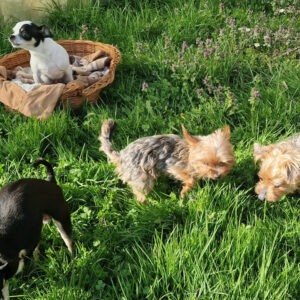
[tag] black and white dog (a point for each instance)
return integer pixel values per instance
(49, 61)
(24, 204)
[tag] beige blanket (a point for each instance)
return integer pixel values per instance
(38, 103)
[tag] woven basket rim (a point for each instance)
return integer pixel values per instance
(21, 57)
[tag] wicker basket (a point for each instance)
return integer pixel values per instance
(73, 95)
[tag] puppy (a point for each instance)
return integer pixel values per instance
(49, 61)
(23, 206)
(186, 159)
(279, 172)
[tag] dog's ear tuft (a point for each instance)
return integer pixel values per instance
(292, 172)
(258, 151)
(226, 131)
(191, 140)
(45, 31)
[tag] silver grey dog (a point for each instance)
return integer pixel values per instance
(186, 159)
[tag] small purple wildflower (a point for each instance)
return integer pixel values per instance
(180, 54)
(255, 93)
(206, 53)
(168, 41)
(267, 40)
(184, 46)
(140, 46)
(84, 27)
(199, 91)
(210, 88)
(145, 86)
(201, 45)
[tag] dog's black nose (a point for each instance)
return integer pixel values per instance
(12, 37)
(217, 176)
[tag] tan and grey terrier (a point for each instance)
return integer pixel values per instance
(279, 172)
(186, 159)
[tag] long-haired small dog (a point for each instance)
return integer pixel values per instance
(279, 172)
(186, 159)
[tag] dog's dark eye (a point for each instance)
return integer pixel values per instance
(24, 34)
(221, 164)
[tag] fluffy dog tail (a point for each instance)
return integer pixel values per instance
(106, 146)
(51, 177)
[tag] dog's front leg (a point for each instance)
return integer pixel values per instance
(182, 175)
(45, 79)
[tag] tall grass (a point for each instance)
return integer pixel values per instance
(206, 65)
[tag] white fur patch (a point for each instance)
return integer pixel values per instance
(20, 266)
(5, 292)
(22, 253)
(46, 219)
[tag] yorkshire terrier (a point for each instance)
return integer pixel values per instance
(186, 159)
(279, 172)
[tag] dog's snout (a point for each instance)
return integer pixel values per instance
(262, 194)
(12, 37)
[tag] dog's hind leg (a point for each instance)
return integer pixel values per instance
(63, 222)
(65, 229)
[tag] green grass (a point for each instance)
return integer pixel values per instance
(220, 242)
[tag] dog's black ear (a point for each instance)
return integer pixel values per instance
(45, 31)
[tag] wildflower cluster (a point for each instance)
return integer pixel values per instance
(192, 65)
(85, 30)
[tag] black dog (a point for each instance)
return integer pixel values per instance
(24, 204)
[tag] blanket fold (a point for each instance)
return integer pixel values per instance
(38, 103)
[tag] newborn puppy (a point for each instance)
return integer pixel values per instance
(49, 61)
(24, 205)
